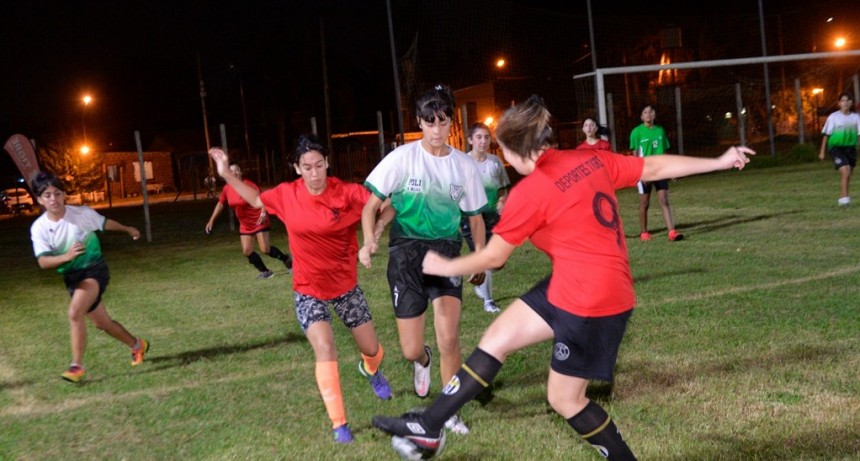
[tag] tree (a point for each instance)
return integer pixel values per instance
(79, 172)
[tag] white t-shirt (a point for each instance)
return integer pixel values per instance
(842, 129)
(493, 176)
(79, 224)
(429, 193)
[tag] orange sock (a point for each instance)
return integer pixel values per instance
(328, 381)
(371, 364)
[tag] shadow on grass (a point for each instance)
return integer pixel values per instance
(823, 442)
(644, 375)
(704, 227)
(184, 358)
(646, 278)
(11, 386)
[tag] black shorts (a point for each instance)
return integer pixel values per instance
(645, 187)
(584, 347)
(410, 287)
(490, 221)
(98, 272)
(844, 155)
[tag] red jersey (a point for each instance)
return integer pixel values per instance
(601, 144)
(245, 214)
(322, 232)
(568, 208)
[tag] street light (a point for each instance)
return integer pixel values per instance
(87, 99)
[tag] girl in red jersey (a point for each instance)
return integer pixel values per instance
(566, 206)
(252, 223)
(322, 215)
(593, 135)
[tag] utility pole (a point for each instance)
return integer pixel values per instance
(205, 120)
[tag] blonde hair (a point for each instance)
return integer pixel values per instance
(525, 127)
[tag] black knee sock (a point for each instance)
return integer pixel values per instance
(257, 262)
(473, 377)
(276, 253)
(597, 428)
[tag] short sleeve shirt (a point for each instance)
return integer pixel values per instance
(428, 193)
(78, 224)
(245, 213)
(568, 209)
(601, 144)
(322, 233)
(842, 129)
(649, 141)
(493, 176)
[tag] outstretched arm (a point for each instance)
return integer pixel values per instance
(248, 193)
(494, 255)
(659, 167)
(112, 225)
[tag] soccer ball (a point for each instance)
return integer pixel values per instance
(410, 451)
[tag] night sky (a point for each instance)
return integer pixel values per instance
(139, 60)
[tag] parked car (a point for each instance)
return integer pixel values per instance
(17, 199)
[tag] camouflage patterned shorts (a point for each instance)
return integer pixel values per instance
(351, 307)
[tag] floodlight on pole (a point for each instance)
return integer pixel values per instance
(87, 99)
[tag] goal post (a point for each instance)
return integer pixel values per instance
(717, 101)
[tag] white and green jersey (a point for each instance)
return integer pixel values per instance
(842, 129)
(493, 176)
(428, 193)
(79, 224)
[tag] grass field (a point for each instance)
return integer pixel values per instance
(745, 344)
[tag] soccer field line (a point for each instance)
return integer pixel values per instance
(763, 286)
(26, 406)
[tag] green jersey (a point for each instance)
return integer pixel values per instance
(647, 141)
(428, 193)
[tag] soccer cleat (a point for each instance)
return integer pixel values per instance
(844, 201)
(644, 236)
(675, 236)
(456, 425)
(265, 275)
(377, 381)
(74, 374)
(342, 434)
(491, 307)
(410, 427)
(421, 375)
(137, 354)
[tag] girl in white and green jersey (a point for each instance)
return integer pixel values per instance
(430, 184)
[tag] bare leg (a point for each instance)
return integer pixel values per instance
(663, 197)
(247, 242)
(411, 332)
(644, 203)
(446, 314)
(104, 322)
(845, 174)
(321, 337)
(263, 242)
(83, 297)
(366, 340)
